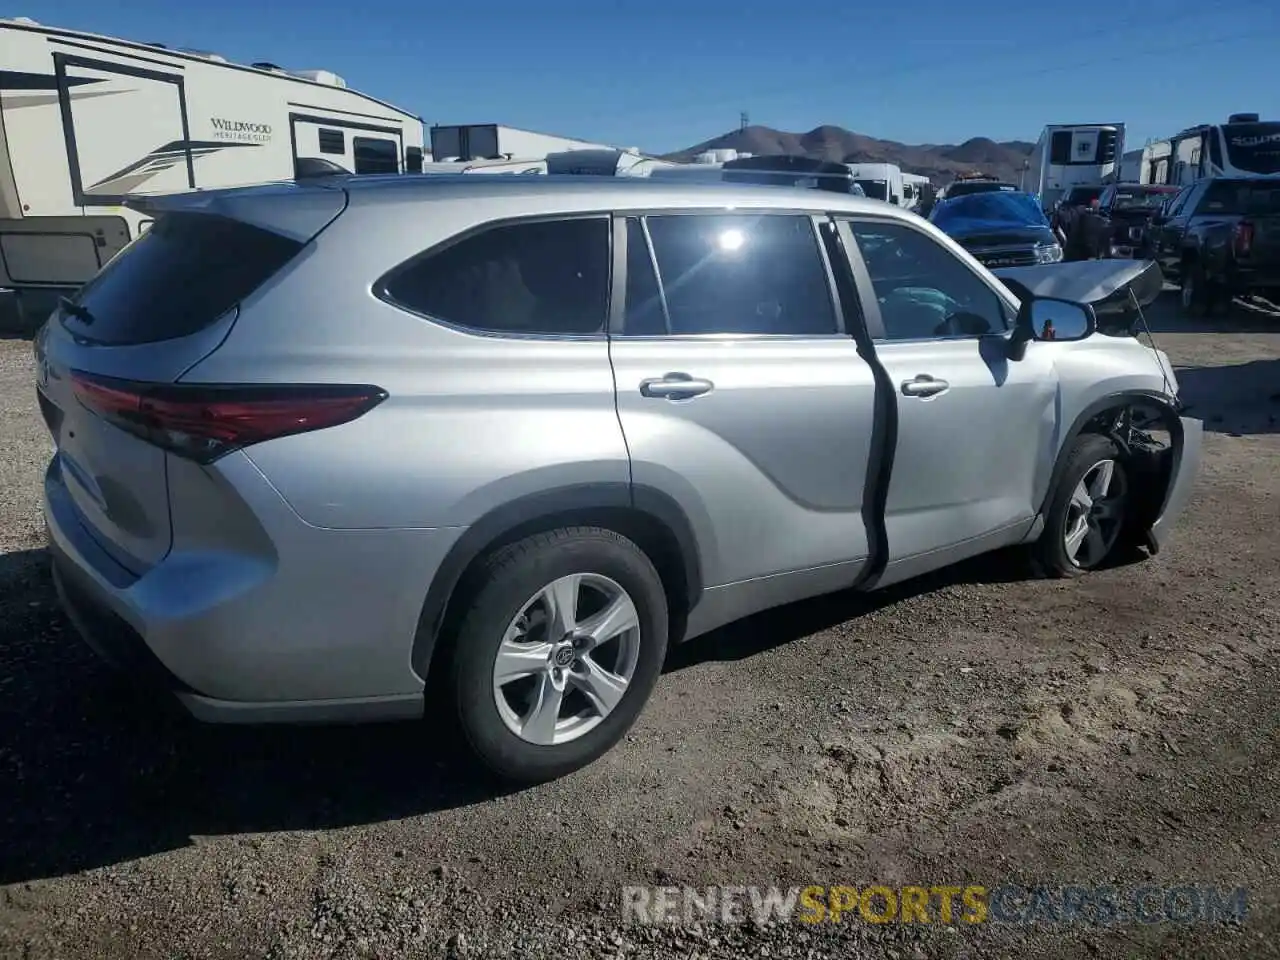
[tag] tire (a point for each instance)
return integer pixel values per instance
(1196, 295)
(1105, 527)
(511, 613)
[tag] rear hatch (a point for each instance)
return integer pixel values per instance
(162, 304)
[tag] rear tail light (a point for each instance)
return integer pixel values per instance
(1243, 238)
(203, 422)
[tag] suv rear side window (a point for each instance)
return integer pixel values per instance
(177, 278)
(546, 277)
(738, 274)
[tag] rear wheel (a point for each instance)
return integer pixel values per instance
(1089, 510)
(560, 649)
(1197, 294)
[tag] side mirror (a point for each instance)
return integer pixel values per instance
(1051, 319)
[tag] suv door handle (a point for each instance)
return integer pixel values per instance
(924, 386)
(675, 386)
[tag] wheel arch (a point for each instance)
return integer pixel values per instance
(649, 517)
(1154, 481)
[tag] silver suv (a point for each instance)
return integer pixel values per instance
(319, 445)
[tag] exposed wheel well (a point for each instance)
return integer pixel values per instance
(651, 533)
(1135, 423)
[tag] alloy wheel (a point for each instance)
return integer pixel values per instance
(1095, 514)
(566, 659)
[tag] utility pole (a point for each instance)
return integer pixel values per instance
(743, 120)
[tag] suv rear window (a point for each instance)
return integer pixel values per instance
(179, 277)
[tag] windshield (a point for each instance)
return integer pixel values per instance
(1250, 198)
(1013, 209)
(1135, 199)
(879, 189)
(1253, 147)
(1082, 195)
(964, 189)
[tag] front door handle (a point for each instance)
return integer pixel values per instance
(675, 386)
(924, 386)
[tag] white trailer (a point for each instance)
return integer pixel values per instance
(1244, 146)
(880, 181)
(1075, 155)
(87, 121)
(492, 141)
(912, 184)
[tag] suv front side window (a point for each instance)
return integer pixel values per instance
(925, 292)
(727, 274)
(548, 277)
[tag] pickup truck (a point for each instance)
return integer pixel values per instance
(1219, 238)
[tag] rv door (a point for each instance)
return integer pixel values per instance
(126, 130)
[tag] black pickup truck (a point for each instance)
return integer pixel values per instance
(1219, 238)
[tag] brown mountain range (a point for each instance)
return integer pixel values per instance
(940, 162)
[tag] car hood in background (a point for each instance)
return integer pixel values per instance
(990, 233)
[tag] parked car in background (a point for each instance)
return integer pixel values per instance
(1219, 238)
(1000, 229)
(510, 451)
(1128, 209)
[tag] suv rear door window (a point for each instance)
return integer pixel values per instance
(176, 279)
(546, 277)
(740, 274)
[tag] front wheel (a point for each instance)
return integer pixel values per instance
(561, 647)
(1089, 510)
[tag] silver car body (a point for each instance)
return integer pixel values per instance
(307, 577)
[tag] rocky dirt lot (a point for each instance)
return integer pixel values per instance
(978, 727)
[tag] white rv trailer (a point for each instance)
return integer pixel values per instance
(605, 163)
(911, 186)
(493, 141)
(1244, 146)
(1075, 155)
(87, 122)
(880, 181)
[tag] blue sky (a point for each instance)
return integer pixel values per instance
(662, 74)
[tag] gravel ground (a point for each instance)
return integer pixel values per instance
(976, 727)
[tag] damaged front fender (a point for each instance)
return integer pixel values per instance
(1184, 466)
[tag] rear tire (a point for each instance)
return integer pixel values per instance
(1088, 515)
(561, 645)
(1197, 297)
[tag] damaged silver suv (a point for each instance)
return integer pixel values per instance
(328, 451)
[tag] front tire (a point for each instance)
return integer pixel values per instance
(1088, 514)
(558, 652)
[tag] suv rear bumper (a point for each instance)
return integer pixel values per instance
(321, 631)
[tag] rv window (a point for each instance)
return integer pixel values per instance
(549, 277)
(332, 141)
(412, 159)
(375, 155)
(177, 278)
(742, 274)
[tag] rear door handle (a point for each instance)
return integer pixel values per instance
(675, 386)
(924, 386)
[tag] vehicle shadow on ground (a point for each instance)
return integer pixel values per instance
(94, 772)
(782, 625)
(1237, 399)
